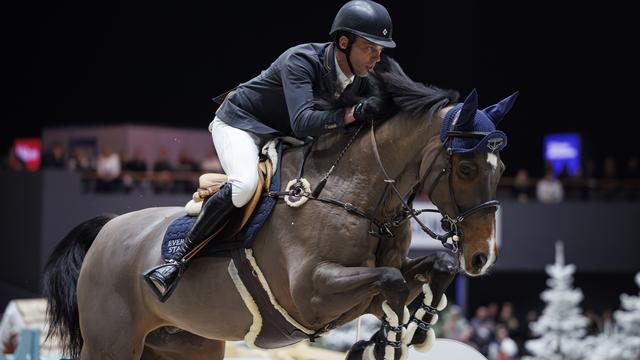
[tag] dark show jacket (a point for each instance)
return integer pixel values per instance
(279, 101)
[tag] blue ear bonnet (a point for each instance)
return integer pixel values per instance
(467, 129)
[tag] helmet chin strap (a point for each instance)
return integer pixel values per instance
(347, 51)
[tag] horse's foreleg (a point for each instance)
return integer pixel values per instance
(417, 272)
(338, 288)
(438, 271)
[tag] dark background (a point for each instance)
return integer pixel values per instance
(162, 62)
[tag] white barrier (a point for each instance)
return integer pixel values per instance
(445, 349)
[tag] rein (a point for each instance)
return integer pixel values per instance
(384, 228)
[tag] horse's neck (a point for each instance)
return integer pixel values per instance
(358, 178)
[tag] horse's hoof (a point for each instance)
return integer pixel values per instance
(428, 342)
(357, 350)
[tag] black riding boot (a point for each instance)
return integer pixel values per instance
(214, 214)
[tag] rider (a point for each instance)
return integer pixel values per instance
(280, 101)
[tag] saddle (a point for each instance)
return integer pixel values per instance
(209, 184)
(245, 222)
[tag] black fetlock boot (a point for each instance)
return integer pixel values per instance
(214, 214)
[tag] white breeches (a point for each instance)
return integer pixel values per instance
(238, 153)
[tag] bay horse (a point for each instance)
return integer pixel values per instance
(322, 262)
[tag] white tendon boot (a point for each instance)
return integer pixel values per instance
(393, 336)
(418, 322)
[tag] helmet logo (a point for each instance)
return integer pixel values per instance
(384, 32)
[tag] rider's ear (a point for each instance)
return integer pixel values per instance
(343, 42)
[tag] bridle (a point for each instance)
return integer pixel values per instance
(449, 224)
(384, 229)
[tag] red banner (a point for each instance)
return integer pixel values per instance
(28, 151)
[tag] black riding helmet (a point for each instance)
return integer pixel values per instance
(363, 18)
(366, 19)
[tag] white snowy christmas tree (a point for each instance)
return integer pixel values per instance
(561, 326)
(624, 343)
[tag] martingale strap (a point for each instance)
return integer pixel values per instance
(277, 328)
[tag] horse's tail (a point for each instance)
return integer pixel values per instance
(60, 280)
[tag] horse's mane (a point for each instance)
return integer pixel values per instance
(399, 92)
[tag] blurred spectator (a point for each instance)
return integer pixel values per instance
(503, 347)
(532, 316)
(522, 189)
(137, 162)
(211, 164)
(187, 178)
(593, 323)
(466, 335)
(527, 333)
(134, 170)
(163, 173)
(81, 160)
(632, 177)
(589, 178)
(564, 173)
(54, 158)
(455, 325)
(549, 189)
(609, 178)
(631, 171)
(608, 324)
(483, 327)
(492, 310)
(508, 319)
(108, 170)
(12, 161)
(186, 162)
(589, 169)
(609, 169)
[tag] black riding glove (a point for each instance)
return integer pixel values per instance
(368, 109)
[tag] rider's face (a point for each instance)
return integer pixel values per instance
(364, 56)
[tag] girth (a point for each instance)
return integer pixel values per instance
(272, 326)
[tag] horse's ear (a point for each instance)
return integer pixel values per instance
(497, 111)
(468, 112)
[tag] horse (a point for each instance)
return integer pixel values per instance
(342, 254)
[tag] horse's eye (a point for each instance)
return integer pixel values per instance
(467, 169)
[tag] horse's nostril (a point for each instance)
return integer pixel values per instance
(479, 260)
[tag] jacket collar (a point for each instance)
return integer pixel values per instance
(330, 77)
(328, 60)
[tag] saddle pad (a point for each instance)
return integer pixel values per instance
(178, 229)
(175, 234)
